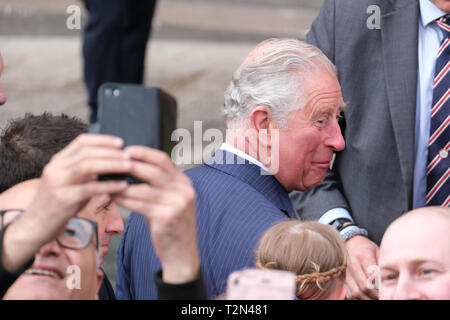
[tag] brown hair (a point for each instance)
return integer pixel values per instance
(28, 143)
(313, 251)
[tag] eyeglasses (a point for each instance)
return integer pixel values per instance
(77, 235)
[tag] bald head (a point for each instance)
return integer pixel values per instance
(414, 256)
(19, 196)
(425, 212)
(422, 220)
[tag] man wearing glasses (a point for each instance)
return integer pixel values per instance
(67, 184)
(67, 188)
(27, 145)
(74, 253)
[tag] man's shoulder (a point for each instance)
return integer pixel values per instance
(200, 171)
(219, 189)
(205, 177)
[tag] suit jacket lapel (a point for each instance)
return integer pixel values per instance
(399, 33)
(250, 173)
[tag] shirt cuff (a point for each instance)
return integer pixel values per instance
(334, 214)
(193, 290)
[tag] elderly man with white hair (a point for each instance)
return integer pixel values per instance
(282, 108)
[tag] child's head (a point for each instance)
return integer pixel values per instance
(313, 251)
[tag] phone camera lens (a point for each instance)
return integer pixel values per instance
(108, 92)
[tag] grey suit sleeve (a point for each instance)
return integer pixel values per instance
(322, 31)
(312, 204)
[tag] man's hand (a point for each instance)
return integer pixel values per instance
(69, 180)
(67, 183)
(363, 253)
(167, 201)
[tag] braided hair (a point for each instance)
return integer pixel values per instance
(313, 251)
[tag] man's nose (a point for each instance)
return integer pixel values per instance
(51, 248)
(335, 140)
(114, 222)
(406, 289)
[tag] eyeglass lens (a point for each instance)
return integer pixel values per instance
(77, 234)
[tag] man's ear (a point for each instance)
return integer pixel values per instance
(259, 118)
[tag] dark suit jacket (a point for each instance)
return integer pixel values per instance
(106, 291)
(377, 69)
(235, 205)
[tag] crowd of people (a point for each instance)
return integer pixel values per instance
(273, 199)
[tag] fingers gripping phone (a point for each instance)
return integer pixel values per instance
(257, 284)
(139, 115)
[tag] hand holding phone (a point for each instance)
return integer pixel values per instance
(144, 116)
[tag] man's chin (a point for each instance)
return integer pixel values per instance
(308, 184)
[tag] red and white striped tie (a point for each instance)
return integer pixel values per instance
(438, 169)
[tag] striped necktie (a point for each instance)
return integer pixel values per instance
(438, 169)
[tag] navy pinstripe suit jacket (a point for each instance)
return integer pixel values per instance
(235, 206)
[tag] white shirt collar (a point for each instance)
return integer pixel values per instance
(240, 153)
(429, 12)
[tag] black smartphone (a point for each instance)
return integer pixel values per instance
(139, 115)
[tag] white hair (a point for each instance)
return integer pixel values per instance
(271, 76)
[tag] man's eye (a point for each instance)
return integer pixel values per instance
(426, 272)
(70, 232)
(388, 278)
(321, 122)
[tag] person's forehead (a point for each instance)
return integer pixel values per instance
(101, 201)
(422, 227)
(94, 207)
(409, 243)
(318, 78)
(322, 90)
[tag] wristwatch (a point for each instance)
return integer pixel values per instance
(338, 223)
(351, 230)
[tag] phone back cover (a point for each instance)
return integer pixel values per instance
(130, 112)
